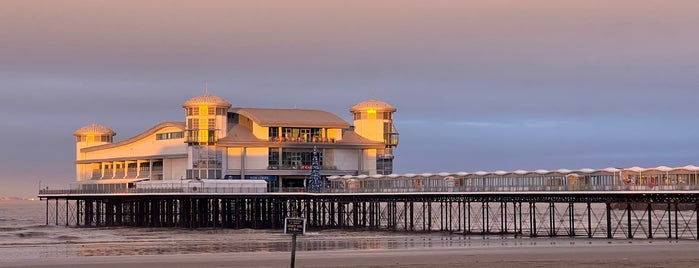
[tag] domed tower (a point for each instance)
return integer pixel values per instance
(206, 123)
(88, 136)
(206, 119)
(373, 119)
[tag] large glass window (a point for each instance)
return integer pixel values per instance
(206, 163)
(305, 134)
(297, 158)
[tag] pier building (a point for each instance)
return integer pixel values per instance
(219, 141)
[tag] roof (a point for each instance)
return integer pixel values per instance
(179, 125)
(268, 117)
(94, 129)
(372, 104)
(208, 99)
(238, 134)
(351, 137)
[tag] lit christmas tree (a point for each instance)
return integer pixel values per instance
(315, 182)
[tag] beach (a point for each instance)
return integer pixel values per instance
(632, 254)
(25, 241)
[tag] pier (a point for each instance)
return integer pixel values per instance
(587, 214)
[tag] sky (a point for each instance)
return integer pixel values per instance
(479, 85)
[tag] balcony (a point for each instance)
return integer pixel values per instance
(391, 139)
(302, 139)
(201, 136)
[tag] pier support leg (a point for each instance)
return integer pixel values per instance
(628, 220)
(609, 220)
(589, 220)
(649, 209)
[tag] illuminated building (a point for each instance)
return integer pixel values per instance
(218, 141)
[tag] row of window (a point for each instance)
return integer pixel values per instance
(210, 111)
(105, 138)
(169, 135)
(193, 123)
(374, 115)
(293, 132)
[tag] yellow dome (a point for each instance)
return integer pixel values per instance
(94, 129)
(372, 104)
(208, 99)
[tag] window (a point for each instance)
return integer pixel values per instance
(221, 111)
(388, 116)
(212, 111)
(169, 135)
(212, 123)
(195, 111)
(273, 132)
(357, 116)
(273, 157)
(195, 123)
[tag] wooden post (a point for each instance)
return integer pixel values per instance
(293, 250)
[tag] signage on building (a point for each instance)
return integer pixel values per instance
(267, 178)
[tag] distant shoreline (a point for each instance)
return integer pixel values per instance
(14, 198)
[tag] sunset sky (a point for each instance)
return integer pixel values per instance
(479, 85)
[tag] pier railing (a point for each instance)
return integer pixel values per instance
(192, 190)
(444, 189)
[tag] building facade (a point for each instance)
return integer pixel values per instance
(219, 141)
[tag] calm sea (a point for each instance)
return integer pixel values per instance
(24, 235)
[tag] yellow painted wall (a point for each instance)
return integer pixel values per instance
(370, 129)
(345, 159)
(260, 132)
(257, 158)
(335, 133)
(370, 161)
(234, 154)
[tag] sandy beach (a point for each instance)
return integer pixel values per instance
(570, 254)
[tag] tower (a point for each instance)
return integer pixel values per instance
(206, 122)
(88, 136)
(373, 119)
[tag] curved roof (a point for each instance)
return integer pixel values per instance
(152, 130)
(94, 129)
(372, 104)
(208, 99)
(292, 117)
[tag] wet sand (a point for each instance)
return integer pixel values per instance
(635, 254)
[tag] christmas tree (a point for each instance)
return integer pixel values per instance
(315, 181)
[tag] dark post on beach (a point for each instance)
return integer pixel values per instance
(294, 227)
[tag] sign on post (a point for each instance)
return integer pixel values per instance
(295, 226)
